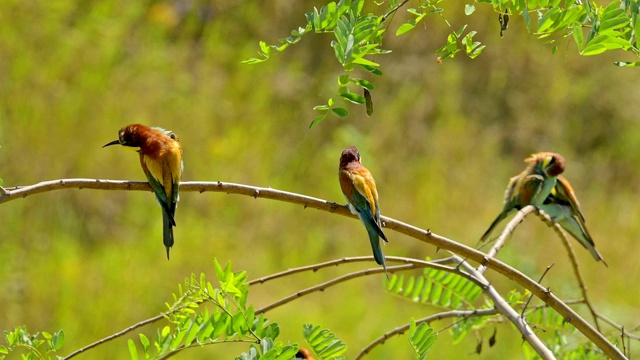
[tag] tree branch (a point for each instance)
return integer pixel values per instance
(504, 308)
(410, 264)
(316, 267)
(423, 235)
(118, 334)
(429, 319)
(577, 272)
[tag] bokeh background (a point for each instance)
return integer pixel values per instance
(442, 143)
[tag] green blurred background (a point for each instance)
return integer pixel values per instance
(442, 143)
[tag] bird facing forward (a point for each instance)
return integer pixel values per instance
(563, 208)
(359, 189)
(161, 160)
(532, 186)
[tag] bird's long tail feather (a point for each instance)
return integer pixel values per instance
(492, 226)
(573, 227)
(167, 231)
(375, 233)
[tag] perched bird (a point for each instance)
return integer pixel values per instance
(532, 186)
(563, 208)
(359, 189)
(161, 160)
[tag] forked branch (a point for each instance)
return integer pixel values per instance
(423, 235)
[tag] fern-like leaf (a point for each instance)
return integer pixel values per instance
(436, 287)
(421, 338)
(324, 343)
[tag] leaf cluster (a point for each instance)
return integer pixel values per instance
(359, 35)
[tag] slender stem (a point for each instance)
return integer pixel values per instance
(118, 334)
(332, 263)
(429, 319)
(577, 272)
(526, 305)
(392, 11)
(323, 286)
(422, 235)
(508, 230)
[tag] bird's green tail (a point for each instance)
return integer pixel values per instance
(492, 226)
(167, 232)
(375, 233)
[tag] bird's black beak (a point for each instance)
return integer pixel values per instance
(114, 142)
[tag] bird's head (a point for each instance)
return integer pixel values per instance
(131, 136)
(549, 163)
(348, 155)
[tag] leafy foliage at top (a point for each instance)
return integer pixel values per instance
(359, 35)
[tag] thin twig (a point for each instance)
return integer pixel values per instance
(119, 333)
(316, 267)
(508, 230)
(422, 235)
(412, 263)
(627, 333)
(429, 319)
(392, 11)
(577, 272)
(524, 308)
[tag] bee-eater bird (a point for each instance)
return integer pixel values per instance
(531, 187)
(359, 189)
(563, 208)
(161, 160)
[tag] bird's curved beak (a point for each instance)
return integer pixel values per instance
(114, 142)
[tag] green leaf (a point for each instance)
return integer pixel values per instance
(191, 333)
(548, 19)
(363, 83)
(437, 287)
(594, 49)
(265, 48)
(613, 24)
(133, 352)
(462, 327)
(371, 69)
(317, 120)
(354, 98)
(58, 340)
(363, 61)
(323, 342)
(343, 80)
(421, 338)
(578, 36)
(404, 28)
(341, 112)
(469, 9)
(145, 343)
